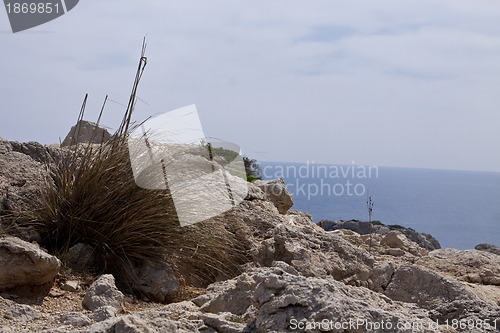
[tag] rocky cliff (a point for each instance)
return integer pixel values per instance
(298, 276)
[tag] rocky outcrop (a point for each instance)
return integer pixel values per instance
(274, 300)
(86, 132)
(21, 176)
(313, 253)
(277, 192)
(356, 277)
(473, 266)
(25, 264)
(488, 248)
(279, 299)
(394, 243)
(363, 228)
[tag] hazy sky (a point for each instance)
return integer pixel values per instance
(387, 83)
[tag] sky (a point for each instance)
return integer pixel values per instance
(389, 83)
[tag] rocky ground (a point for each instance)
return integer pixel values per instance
(300, 277)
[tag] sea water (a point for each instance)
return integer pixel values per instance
(459, 208)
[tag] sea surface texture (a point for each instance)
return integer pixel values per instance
(460, 208)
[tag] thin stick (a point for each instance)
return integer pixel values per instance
(124, 127)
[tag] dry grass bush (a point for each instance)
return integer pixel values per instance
(94, 200)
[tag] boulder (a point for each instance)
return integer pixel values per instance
(79, 257)
(103, 292)
(25, 264)
(85, 132)
(21, 179)
(277, 192)
(156, 281)
(255, 193)
(396, 240)
(426, 288)
(424, 240)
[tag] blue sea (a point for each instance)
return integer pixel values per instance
(459, 208)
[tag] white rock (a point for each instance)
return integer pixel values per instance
(21, 312)
(277, 193)
(103, 292)
(71, 286)
(104, 313)
(75, 319)
(25, 264)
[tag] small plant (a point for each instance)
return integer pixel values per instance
(369, 206)
(253, 169)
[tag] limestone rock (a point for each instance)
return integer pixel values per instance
(468, 312)
(472, 266)
(280, 302)
(75, 319)
(103, 292)
(21, 312)
(21, 179)
(314, 253)
(147, 321)
(25, 264)
(255, 193)
(157, 281)
(396, 240)
(277, 193)
(79, 257)
(382, 274)
(86, 132)
(71, 286)
(224, 322)
(103, 313)
(426, 288)
(38, 152)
